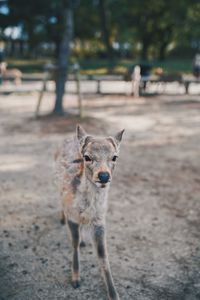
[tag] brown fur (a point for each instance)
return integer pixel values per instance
(80, 163)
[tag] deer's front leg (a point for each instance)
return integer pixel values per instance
(100, 245)
(74, 229)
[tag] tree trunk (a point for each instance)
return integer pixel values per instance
(145, 48)
(63, 57)
(31, 42)
(166, 37)
(162, 51)
(105, 28)
(57, 48)
(12, 48)
(21, 47)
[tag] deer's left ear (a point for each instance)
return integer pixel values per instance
(80, 133)
(118, 136)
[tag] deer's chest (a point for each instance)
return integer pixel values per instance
(91, 207)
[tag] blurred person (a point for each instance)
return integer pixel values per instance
(3, 64)
(196, 64)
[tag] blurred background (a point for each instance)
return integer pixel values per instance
(101, 37)
(122, 32)
(108, 65)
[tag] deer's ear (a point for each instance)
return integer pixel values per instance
(118, 136)
(80, 133)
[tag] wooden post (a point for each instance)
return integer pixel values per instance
(186, 87)
(44, 88)
(136, 77)
(98, 86)
(78, 86)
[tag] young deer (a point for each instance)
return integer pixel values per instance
(84, 167)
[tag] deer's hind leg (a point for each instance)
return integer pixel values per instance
(75, 234)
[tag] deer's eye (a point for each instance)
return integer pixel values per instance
(114, 158)
(87, 158)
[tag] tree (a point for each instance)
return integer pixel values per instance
(51, 20)
(149, 26)
(105, 27)
(63, 55)
(191, 28)
(154, 24)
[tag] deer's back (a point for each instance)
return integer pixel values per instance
(68, 164)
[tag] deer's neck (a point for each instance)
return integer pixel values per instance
(94, 198)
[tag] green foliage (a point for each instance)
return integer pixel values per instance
(148, 28)
(192, 25)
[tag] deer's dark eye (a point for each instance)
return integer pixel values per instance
(114, 158)
(87, 158)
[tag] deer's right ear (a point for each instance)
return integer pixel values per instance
(80, 133)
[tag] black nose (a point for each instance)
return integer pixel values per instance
(104, 177)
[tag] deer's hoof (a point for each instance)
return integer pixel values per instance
(62, 221)
(82, 244)
(116, 297)
(76, 284)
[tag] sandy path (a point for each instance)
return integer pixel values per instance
(154, 204)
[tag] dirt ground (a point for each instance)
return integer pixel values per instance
(154, 210)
